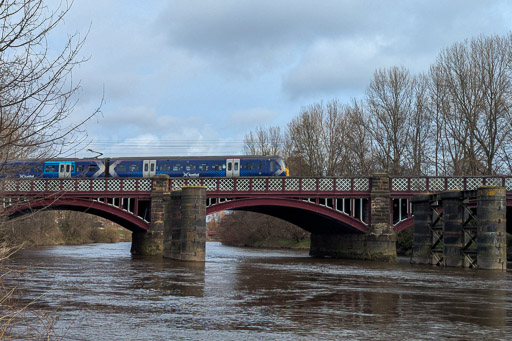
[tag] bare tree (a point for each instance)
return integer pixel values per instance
(36, 86)
(37, 90)
(269, 141)
(439, 105)
(418, 158)
(474, 76)
(315, 140)
(389, 99)
(492, 56)
(460, 81)
(358, 142)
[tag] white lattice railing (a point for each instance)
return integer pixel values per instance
(259, 185)
(276, 185)
(75, 185)
(254, 185)
(438, 184)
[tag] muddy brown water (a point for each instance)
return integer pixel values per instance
(101, 292)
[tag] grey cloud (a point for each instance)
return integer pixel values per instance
(411, 36)
(265, 33)
(248, 119)
(253, 37)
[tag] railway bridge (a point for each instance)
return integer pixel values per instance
(355, 217)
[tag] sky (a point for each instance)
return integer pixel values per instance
(193, 77)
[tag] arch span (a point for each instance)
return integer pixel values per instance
(112, 213)
(404, 224)
(311, 217)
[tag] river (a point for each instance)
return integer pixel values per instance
(101, 292)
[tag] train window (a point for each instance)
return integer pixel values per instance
(229, 166)
(177, 167)
(38, 169)
(80, 168)
(249, 166)
(236, 167)
(68, 168)
(146, 167)
(50, 168)
(134, 167)
(121, 168)
(61, 168)
(165, 167)
(152, 167)
(191, 168)
(93, 168)
(218, 166)
(203, 167)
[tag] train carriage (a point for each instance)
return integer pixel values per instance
(207, 166)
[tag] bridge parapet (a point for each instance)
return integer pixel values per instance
(355, 185)
(288, 185)
(114, 186)
(404, 185)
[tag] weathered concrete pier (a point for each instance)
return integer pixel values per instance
(461, 228)
(178, 223)
(187, 230)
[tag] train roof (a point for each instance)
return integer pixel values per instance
(196, 157)
(159, 158)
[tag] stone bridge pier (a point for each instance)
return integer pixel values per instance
(379, 243)
(151, 242)
(178, 223)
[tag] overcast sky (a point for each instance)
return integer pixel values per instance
(193, 77)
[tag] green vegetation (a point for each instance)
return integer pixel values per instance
(404, 241)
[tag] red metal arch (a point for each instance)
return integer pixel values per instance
(292, 203)
(115, 214)
(404, 224)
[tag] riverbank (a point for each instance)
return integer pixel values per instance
(61, 228)
(108, 234)
(281, 244)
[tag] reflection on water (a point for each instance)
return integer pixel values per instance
(100, 291)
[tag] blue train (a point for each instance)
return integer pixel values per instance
(205, 166)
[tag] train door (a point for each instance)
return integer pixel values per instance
(149, 168)
(232, 168)
(65, 170)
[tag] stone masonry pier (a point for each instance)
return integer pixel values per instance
(461, 228)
